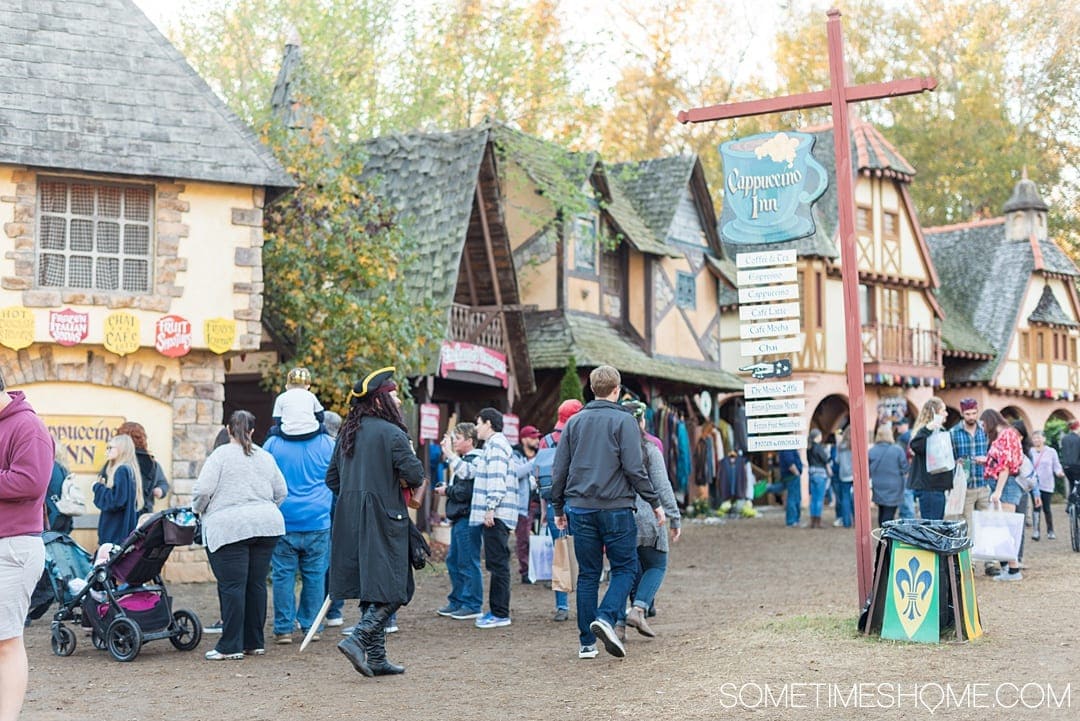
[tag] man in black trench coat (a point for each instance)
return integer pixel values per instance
(369, 557)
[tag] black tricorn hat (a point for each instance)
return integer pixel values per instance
(381, 380)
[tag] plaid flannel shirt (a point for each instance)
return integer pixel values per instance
(966, 447)
(494, 481)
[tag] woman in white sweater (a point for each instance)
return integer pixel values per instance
(238, 493)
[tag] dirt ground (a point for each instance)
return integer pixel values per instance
(753, 618)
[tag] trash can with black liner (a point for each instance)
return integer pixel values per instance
(923, 585)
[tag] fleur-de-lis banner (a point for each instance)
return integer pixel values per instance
(912, 599)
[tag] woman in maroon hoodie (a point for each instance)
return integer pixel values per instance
(26, 458)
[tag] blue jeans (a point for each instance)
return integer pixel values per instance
(793, 505)
(652, 567)
(463, 565)
(931, 505)
(845, 504)
(306, 553)
(614, 533)
(818, 481)
(907, 510)
(561, 600)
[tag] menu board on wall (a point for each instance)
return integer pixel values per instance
(121, 333)
(16, 327)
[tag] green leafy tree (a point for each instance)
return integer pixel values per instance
(1006, 97)
(385, 66)
(570, 387)
(331, 261)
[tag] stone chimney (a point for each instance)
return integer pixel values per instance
(1025, 212)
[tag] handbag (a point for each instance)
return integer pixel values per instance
(1026, 478)
(939, 452)
(419, 550)
(564, 566)
(541, 551)
(996, 535)
(954, 499)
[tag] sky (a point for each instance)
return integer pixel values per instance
(759, 21)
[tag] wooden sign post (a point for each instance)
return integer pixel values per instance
(838, 96)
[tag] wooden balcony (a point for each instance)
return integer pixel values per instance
(901, 350)
(480, 326)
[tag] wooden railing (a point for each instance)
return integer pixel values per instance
(481, 326)
(902, 345)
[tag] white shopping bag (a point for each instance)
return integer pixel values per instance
(939, 453)
(954, 499)
(996, 535)
(541, 552)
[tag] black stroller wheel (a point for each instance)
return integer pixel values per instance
(187, 631)
(97, 639)
(1074, 526)
(63, 641)
(124, 639)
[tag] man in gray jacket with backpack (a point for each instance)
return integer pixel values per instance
(598, 469)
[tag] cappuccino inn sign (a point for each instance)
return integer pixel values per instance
(770, 183)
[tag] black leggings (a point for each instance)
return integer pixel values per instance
(885, 513)
(1046, 496)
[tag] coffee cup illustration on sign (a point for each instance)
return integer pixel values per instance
(770, 180)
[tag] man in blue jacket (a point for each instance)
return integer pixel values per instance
(305, 547)
(791, 469)
(598, 472)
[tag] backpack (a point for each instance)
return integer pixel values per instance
(71, 501)
(542, 464)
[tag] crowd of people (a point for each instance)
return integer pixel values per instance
(996, 455)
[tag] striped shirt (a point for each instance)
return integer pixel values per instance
(494, 481)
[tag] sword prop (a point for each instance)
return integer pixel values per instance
(319, 618)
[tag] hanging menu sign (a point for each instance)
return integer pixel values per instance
(121, 333)
(172, 336)
(220, 334)
(770, 325)
(68, 327)
(16, 327)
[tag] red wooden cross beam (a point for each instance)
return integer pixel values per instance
(839, 95)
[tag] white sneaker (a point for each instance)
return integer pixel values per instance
(1006, 576)
(335, 622)
(588, 652)
(608, 637)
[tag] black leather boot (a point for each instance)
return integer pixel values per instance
(355, 647)
(376, 652)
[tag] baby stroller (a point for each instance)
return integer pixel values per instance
(123, 600)
(67, 564)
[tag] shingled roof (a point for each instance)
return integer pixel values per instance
(91, 85)
(984, 278)
(430, 178)
(558, 172)
(592, 341)
(656, 187)
(1049, 311)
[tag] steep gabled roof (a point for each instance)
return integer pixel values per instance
(430, 178)
(592, 341)
(91, 85)
(1049, 311)
(558, 172)
(656, 186)
(984, 278)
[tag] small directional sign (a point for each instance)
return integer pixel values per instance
(764, 294)
(775, 425)
(775, 443)
(771, 346)
(768, 257)
(777, 389)
(782, 406)
(769, 311)
(761, 276)
(769, 369)
(769, 329)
